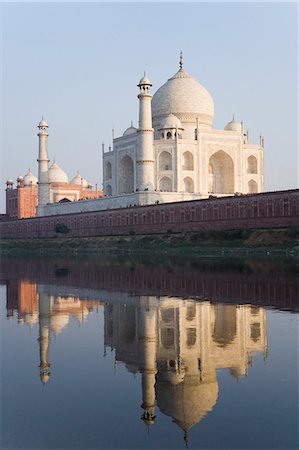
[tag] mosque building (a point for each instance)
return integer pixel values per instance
(22, 201)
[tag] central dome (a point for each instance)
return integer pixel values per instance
(184, 97)
(57, 175)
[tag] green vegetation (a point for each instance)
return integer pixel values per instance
(202, 242)
(61, 228)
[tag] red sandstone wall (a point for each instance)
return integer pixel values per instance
(266, 210)
(27, 203)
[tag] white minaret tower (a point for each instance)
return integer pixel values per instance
(145, 162)
(43, 168)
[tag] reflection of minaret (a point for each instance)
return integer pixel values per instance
(44, 333)
(147, 338)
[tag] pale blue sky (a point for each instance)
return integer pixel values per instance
(78, 64)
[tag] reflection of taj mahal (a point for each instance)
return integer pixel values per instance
(178, 345)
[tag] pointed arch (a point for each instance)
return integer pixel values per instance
(165, 161)
(221, 173)
(225, 327)
(188, 184)
(126, 175)
(251, 164)
(108, 171)
(188, 161)
(252, 187)
(108, 190)
(165, 184)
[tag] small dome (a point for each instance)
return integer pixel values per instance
(9, 182)
(20, 178)
(170, 121)
(233, 125)
(57, 175)
(130, 130)
(79, 181)
(145, 80)
(43, 124)
(30, 179)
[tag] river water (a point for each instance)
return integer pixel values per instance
(149, 353)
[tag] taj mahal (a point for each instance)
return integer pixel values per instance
(177, 151)
(174, 155)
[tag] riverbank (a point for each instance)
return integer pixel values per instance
(276, 242)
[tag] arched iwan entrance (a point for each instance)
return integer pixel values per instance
(251, 164)
(188, 184)
(165, 161)
(108, 171)
(165, 184)
(252, 187)
(188, 161)
(108, 189)
(126, 175)
(221, 173)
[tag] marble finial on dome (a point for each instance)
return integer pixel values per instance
(43, 123)
(181, 59)
(144, 80)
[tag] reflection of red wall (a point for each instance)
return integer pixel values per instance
(11, 297)
(28, 298)
(266, 210)
(257, 285)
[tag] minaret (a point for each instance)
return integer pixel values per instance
(44, 333)
(43, 168)
(145, 162)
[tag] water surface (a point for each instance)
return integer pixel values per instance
(152, 354)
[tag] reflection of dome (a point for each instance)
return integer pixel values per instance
(30, 179)
(188, 402)
(58, 322)
(57, 175)
(44, 376)
(233, 125)
(238, 372)
(31, 319)
(78, 180)
(170, 121)
(183, 96)
(174, 377)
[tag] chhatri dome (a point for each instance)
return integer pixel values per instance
(184, 97)
(233, 125)
(79, 181)
(30, 179)
(57, 175)
(169, 122)
(130, 130)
